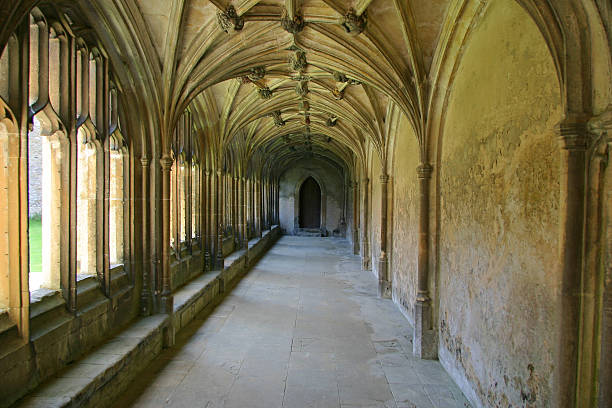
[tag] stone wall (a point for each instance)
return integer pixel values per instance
(375, 204)
(499, 188)
(403, 263)
(332, 181)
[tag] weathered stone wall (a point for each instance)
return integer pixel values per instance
(332, 185)
(375, 203)
(499, 186)
(403, 264)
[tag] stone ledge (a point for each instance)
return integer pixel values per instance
(94, 380)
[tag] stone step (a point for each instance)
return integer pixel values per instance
(106, 371)
(94, 381)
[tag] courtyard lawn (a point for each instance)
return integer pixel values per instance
(35, 231)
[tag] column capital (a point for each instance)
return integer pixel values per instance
(166, 162)
(573, 135)
(384, 178)
(601, 125)
(424, 170)
(145, 162)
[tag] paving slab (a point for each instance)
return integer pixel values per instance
(303, 329)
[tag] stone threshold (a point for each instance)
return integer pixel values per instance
(96, 379)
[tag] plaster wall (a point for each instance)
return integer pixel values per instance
(405, 219)
(499, 186)
(332, 186)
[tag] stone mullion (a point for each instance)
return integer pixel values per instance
(176, 203)
(166, 299)
(574, 140)
(17, 186)
(207, 210)
(213, 219)
(258, 203)
(384, 283)
(249, 207)
(243, 205)
(188, 203)
(220, 218)
(276, 203)
(265, 204)
(67, 113)
(104, 113)
(423, 344)
(355, 218)
(145, 292)
(365, 252)
(235, 232)
(240, 198)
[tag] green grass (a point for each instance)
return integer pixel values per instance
(35, 244)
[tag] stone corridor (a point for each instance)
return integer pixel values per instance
(303, 329)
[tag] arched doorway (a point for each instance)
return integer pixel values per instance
(310, 204)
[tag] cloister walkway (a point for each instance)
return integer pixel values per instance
(303, 329)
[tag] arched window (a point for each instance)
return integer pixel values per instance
(116, 205)
(53, 168)
(195, 199)
(87, 189)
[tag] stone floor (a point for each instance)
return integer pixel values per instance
(303, 329)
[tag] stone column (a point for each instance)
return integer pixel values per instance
(207, 210)
(384, 281)
(258, 208)
(355, 218)
(145, 292)
(220, 207)
(599, 258)
(243, 205)
(365, 243)
(166, 295)
(235, 230)
(213, 218)
(423, 344)
(574, 142)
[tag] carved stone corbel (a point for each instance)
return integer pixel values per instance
(331, 121)
(256, 73)
(265, 92)
(298, 61)
(278, 120)
(292, 25)
(301, 89)
(229, 19)
(354, 24)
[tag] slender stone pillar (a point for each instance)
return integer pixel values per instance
(166, 295)
(243, 205)
(145, 292)
(574, 142)
(214, 230)
(384, 280)
(258, 207)
(424, 342)
(365, 239)
(207, 217)
(355, 218)
(220, 208)
(235, 228)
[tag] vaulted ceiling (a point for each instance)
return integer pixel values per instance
(280, 79)
(296, 77)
